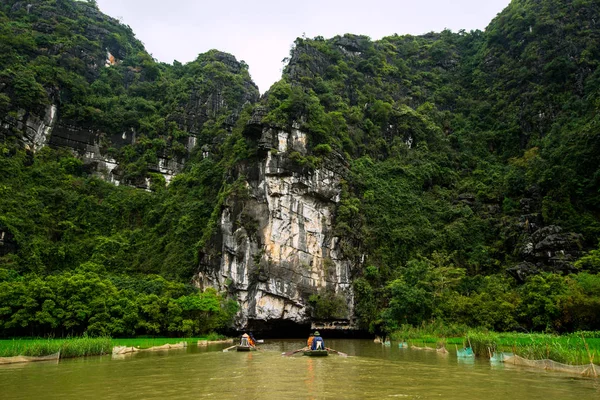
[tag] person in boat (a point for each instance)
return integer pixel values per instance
(318, 343)
(245, 341)
(251, 339)
(309, 342)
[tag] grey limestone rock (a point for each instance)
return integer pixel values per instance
(277, 244)
(552, 249)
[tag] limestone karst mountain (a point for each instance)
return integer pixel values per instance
(446, 177)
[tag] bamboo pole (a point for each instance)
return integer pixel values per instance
(590, 356)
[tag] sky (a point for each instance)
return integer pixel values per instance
(261, 32)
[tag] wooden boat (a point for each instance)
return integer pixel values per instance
(316, 353)
(246, 348)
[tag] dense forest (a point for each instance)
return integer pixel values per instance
(471, 197)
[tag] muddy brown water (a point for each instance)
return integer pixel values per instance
(371, 371)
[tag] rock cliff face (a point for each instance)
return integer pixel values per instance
(35, 129)
(276, 242)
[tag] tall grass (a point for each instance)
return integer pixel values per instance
(82, 346)
(482, 343)
(566, 349)
(432, 331)
(70, 347)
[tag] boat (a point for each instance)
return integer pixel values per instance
(316, 353)
(245, 348)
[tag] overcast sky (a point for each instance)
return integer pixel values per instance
(261, 32)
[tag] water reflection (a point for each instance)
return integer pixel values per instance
(309, 381)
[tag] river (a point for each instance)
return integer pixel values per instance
(371, 371)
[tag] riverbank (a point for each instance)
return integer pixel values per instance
(574, 349)
(84, 346)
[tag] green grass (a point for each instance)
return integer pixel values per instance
(70, 347)
(407, 332)
(566, 349)
(84, 346)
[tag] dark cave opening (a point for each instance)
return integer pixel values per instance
(286, 329)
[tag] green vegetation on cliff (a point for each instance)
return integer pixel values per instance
(68, 54)
(473, 165)
(79, 254)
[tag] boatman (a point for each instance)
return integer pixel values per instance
(245, 340)
(318, 343)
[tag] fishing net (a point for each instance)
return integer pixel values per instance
(468, 352)
(22, 359)
(500, 357)
(180, 345)
(422, 348)
(120, 350)
(588, 370)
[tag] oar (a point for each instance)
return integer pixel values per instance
(229, 348)
(289, 353)
(337, 352)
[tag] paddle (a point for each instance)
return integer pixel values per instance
(337, 352)
(289, 353)
(229, 348)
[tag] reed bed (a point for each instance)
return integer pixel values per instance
(573, 349)
(570, 349)
(83, 346)
(69, 347)
(483, 343)
(429, 332)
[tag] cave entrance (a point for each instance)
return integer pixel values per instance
(285, 329)
(279, 329)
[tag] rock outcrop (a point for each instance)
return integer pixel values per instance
(547, 249)
(276, 241)
(34, 129)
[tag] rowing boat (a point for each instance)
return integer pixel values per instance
(246, 348)
(316, 353)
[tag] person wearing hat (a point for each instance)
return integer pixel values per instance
(245, 342)
(317, 343)
(309, 342)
